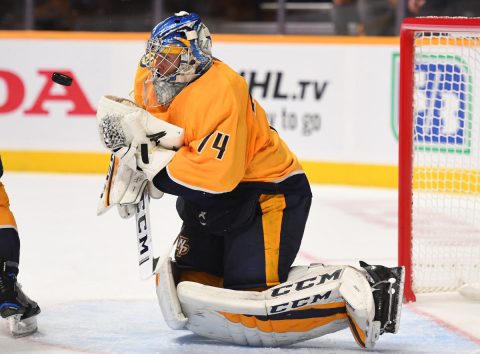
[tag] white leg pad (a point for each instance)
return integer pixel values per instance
(269, 318)
(334, 296)
(357, 293)
(167, 295)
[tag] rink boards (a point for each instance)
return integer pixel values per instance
(333, 99)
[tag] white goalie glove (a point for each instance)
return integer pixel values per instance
(122, 123)
(141, 146)
(128, 131)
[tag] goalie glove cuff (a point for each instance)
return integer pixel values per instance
(153, 191)
(157, 160)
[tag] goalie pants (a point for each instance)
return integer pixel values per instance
(252, 246)
(9, 241)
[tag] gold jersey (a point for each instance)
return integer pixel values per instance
(228, 140)
(7, 219)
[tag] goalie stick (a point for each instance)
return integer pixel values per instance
(146, 261)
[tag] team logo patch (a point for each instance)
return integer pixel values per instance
(183, 247)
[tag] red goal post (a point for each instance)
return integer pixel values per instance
(439, 153)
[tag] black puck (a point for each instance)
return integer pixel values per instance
(62, 79)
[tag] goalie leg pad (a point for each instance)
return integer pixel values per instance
(167, 295)
(307, 306)
(358, 297)
(315, 301)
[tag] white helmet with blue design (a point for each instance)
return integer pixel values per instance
(178, 52)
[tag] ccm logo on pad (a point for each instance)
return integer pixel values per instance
(305, 284)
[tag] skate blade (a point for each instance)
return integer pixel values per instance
(21, 328)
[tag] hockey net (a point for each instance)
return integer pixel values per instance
(439, 168)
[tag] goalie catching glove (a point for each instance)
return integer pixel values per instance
(129, 131)
(122, 123)
(141, 146)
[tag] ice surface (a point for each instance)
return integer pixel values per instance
(82, 271)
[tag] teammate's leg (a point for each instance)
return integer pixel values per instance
(9, 240)
(15, 306)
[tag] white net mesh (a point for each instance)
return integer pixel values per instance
(446, 161)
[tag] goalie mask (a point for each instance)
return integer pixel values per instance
(178, 52)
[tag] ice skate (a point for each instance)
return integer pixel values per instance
(387, 289)
(16, 307)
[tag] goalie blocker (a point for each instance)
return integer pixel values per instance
(314, 301)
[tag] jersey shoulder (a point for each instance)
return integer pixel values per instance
(225, 75)
(218, 95)
(219, 81)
